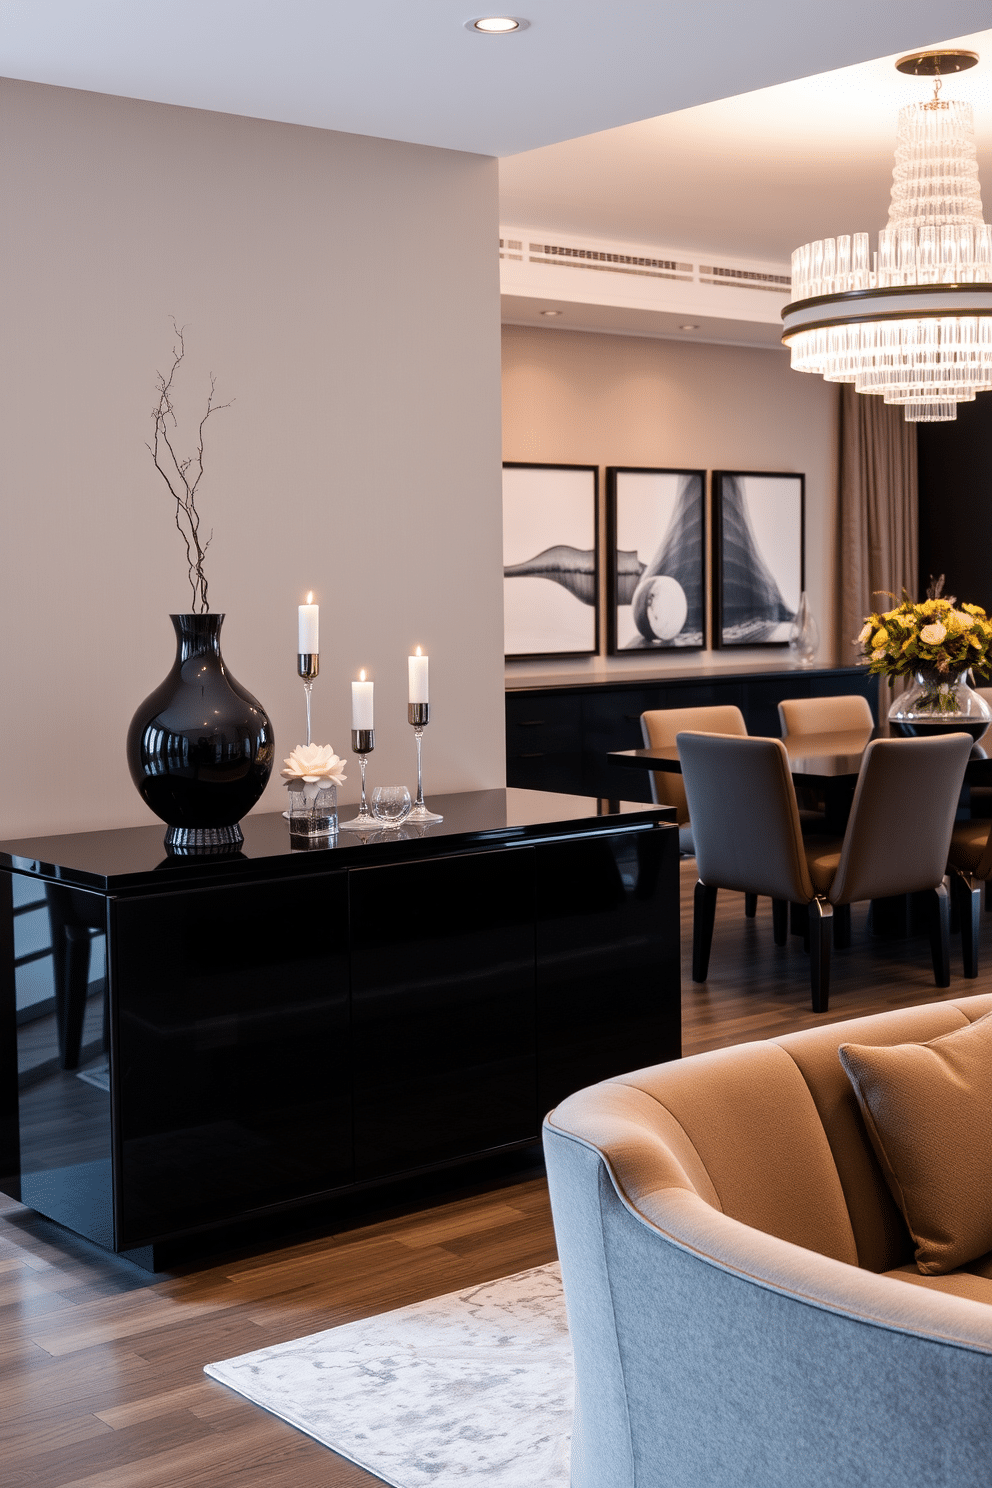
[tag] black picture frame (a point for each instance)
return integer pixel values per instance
(551, 564)
(662, 512)
(759, 555)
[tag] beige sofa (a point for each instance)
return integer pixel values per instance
(744, 1305)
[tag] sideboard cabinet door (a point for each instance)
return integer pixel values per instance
(442, 983)
(230, 1051)
(608, 962)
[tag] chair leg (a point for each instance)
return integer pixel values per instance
(940, 936)
(988, 898)
(780, 921)
(703, 917)
(750, 905)
(821, 914)
(842, 926)
(966, 898)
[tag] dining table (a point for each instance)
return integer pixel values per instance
(829, 763)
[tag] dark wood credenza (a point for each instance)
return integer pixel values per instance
(290, 1026)
(559, 730)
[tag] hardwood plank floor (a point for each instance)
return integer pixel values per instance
(102, 1364)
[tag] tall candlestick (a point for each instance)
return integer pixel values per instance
(309, 628)
(417, 665)
(361, 703)
(307, 659)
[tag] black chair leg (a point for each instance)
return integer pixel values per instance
(703, 917)
(940, 936)
(780, 921)
(750, 905)
(966, 898)
(821, 914)
(842, 926)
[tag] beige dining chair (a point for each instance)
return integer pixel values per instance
(748, 837)
(970, 864)
(659, 728)
(824, 715)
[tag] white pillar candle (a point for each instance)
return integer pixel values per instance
(361, 703)
(418, 678)
(309, 634)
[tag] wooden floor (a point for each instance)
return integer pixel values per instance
(101, 1364)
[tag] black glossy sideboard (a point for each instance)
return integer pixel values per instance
(559, 732)
(287, 1026)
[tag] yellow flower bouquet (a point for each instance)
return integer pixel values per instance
(938, 641)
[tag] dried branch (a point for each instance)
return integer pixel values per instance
(183, 476)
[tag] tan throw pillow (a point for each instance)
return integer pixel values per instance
(928, 1110)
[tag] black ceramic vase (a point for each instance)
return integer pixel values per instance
(200, 747)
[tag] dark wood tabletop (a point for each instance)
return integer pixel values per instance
(828, 759)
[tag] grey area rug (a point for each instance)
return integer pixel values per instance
(470, 1388)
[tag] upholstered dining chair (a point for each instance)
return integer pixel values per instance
(748, 837)
(659, 729)
(970, 863)
(824, 715)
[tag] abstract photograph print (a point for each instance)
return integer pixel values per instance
(550, 560)
(656, 525)
(758, 553)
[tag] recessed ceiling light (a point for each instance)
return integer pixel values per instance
(497, 25)
(689, 328)
(550, 312)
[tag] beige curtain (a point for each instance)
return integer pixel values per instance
(878, 511)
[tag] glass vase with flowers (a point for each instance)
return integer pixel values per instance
(937, 643)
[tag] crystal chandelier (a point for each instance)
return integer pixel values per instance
(914, 324)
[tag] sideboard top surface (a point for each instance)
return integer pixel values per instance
(135, 858)
(608, 681)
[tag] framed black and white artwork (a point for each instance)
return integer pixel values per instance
(758, 556)
(550, 560)
(656, 525)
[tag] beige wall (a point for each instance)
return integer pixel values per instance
(578, 398)
(345, 293)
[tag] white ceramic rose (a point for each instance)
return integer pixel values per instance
(311, 768)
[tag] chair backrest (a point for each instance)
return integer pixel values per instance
(824, 715)
(745, 822)
(659, 728)
(902, 817)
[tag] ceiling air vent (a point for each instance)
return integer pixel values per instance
(511, 248)
(606, 262)
(744, 278)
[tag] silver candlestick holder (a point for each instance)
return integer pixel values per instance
(308, 667)
(363, 743)
(419, 715)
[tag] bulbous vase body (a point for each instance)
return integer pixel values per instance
(937, 704)
(200, 748)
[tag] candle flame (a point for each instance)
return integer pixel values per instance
(310, 597)
(418, 650)
(361, 675)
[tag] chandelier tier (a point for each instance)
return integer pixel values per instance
(913, 323)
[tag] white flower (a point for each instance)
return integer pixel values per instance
(865, 632)
(311, 763)
(878, 655)
(965, 620)
(932, 635)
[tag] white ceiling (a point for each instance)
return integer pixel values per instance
(754, 175)
(410, 71)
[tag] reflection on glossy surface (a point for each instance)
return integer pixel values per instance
(132, 856)
(200, 748)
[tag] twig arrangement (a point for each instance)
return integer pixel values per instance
(183, 476)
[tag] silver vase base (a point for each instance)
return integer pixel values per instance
(363, 821)
(421, 814)
(191, 840)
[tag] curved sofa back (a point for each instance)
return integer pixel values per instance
(767, 1133)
